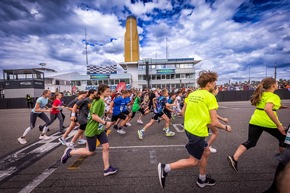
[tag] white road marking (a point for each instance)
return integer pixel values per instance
(145, 146)
(153, 159)
(177, 129)
(38, 180)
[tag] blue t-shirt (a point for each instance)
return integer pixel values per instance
(161, 102)
(126, 101)
(119, 103)
(42, 103)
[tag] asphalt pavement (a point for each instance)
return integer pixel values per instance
(36, 167)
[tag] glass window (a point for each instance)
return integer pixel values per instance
(112, 81)
(177, 75)
(182, 75)
(172, 76)
(100, 82)
(189, 75)
(89, 82)
(117, 81)
(106, 82)
(163, 76)
(158, 76)
(153, 77)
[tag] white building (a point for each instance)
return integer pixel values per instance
(162, 73)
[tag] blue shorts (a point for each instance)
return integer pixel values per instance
(195, 145)
(102, 137)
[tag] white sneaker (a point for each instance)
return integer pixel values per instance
(121, 131)
(70, 145)
(82, 141)
(128, 124)
(140, 122)
(44, 137)
(22, 140)
(212, 150)
(169, 133)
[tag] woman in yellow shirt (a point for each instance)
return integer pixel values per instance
(264, 118)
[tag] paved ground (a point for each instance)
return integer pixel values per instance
(35, 167)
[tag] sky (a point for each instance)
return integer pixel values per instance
(238, 39)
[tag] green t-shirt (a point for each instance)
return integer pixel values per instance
(136, 105)
(197, 115)
(94, 128)
(260, 117)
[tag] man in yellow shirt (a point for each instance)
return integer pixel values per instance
(199, 111)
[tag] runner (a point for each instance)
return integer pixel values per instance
(137, 106)
(203, 105)
(38, 111)
(81, 95)
(264, 118)
(158, 113)
(83, 107)
(95, 130)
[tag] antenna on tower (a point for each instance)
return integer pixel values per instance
(166, 47)
(86, 46)
(275, 72)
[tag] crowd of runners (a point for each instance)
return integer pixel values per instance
(95, 111)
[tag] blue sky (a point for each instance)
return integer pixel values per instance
(237, 38)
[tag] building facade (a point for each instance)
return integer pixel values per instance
(162, 73)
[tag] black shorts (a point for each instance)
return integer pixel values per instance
(119, 116)
(102, 137)
(168, 113)
(156, 115)
(195, 145)
(126, 112)
(83, 127)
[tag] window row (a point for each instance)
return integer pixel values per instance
(166, 76)
(169, 66)
(170, 86)
(98, 82)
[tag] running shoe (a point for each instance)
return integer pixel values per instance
(70, 145)
(140, 134)
(121, 131)
(233, 163)
(161, 174)
(169, 133)
(115, 127)
(44, 137)
(40, 127)
(164, 129)
(212, 150)
(140, 122)
(62, 140)
(128, 124)
(22, 140)
(82, 141)
(66, 155)
(208, 182)
(111, 170)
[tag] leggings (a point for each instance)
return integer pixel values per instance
(255, 132)
(60, 118)
(33, 117)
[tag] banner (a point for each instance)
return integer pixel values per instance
(99, 76)
(165, 71)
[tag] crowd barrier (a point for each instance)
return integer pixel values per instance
(16, 103)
